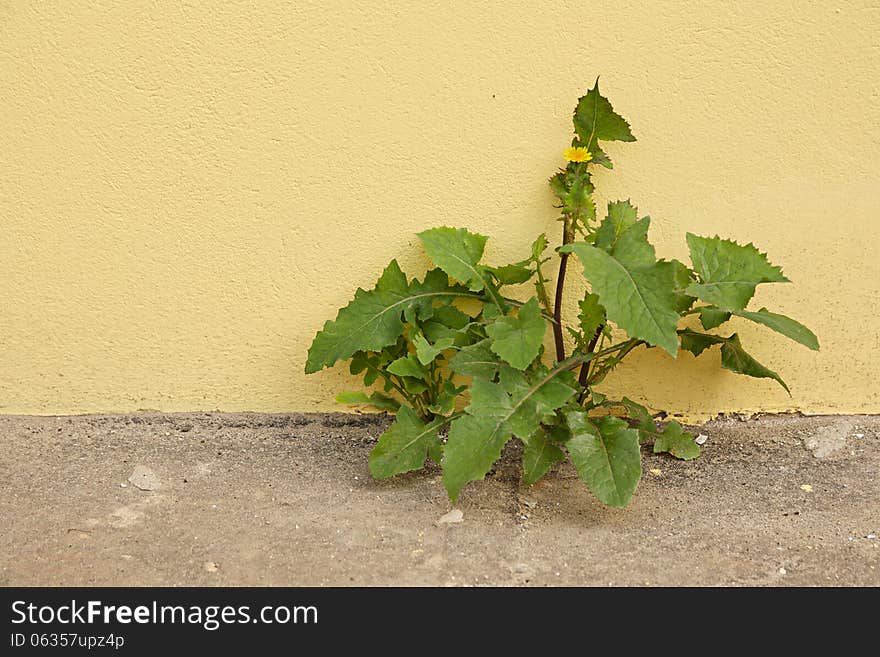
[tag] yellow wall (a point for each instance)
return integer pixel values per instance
(188, 192)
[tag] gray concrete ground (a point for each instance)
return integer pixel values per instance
(248, 499)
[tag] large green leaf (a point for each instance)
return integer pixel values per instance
(457, 251)
(404, 446)
(784, 325)
(595, 120)
(539, 454)
(606, 456)
(476, 360)
(372, 320)
(637, 292)
(677, 442)
(729, 272)
(519, 339)
(497, 411)
(733, 356)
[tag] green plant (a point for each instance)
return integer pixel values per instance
(429, 342)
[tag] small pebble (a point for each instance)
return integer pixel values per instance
(807, 487)
(453, 516)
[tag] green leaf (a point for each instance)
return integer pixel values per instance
(477, 360)
(735, 359)
(712, 317)
(376, 399)
(473, 446)
(413, 385)
(519, 339)
(729, 272)
(408, 366)
(511, 274)
(696, 342)
(677, 442)
(640, 414)
(457, 252)
(683, 278)
(595, 120)
(427, 352)
(782, 324)
(606, 456)
(622, 215)
(404, 446)
(538, 247)
(591, 316)
(733, 356)
(445, 403)
(372, 321)
(539, 454)
(637, 293)
(497, 411)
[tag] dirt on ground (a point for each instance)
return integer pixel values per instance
(253, 499)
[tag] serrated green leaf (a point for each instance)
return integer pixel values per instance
(372, 320)
(622, 215)
(591, 316)
(519, 339)
(638, 297)
(427, 352)
(457, 251)
(677, 442)
(539, 455)
(404, 446)
(606, 456)
(477, 360)
(712, 317)
(497, 411)
(782, 324)
(729, 272)
(595, 120)
(735, 359)
(408, 365)
(733, 356)
(696, 342)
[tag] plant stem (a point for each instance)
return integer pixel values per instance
(560, 284)
(584, 375)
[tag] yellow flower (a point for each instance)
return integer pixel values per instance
(577, 154)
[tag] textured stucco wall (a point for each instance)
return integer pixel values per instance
(188, 191)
